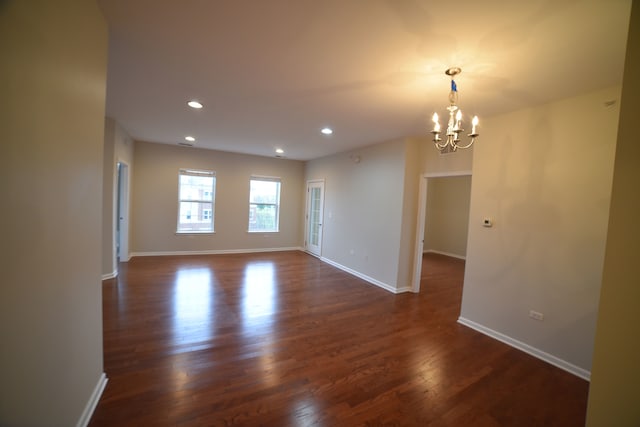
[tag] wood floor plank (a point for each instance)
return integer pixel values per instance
(283, 339)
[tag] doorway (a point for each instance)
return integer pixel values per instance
(314, 217)
(122, 213)
(443, 199)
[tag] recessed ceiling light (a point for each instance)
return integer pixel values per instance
(194, 104)
(279, 150)
(326, 131)
(189, 138)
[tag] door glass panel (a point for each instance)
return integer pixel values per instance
(314, 223)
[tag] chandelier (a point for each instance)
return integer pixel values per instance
(454, 127)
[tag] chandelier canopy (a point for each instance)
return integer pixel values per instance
(454, 127)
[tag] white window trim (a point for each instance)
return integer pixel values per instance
(277, 205)
(197, 172)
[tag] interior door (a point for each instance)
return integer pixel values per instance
(122, 211)
(315, 209)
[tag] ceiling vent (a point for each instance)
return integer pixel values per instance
(185, 144)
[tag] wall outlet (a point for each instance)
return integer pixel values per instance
(536, 315)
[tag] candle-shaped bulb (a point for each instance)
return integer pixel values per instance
(458, 118)
(474, 123)
(436, 123)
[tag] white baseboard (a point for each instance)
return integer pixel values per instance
(93, 401)
(216, 252)
(293, 248)
(111, 275)
(549, 358)
(433, 251)
(364, 277)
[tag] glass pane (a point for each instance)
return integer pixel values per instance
(314, 223)
(263, 217)
(264, 192)
(196, 187)
(194, 216)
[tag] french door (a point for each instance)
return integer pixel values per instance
(314, 217)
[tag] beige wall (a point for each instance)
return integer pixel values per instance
(447, 215)
(544, 176)
(613, 396)
(52, 80)
(118, 147)
(414, 152)
(446, 164)
(154, 199)
(108, 188)
(363, 209)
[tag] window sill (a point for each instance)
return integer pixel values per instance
(194, 233)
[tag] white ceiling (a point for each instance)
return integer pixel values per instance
(272, 73)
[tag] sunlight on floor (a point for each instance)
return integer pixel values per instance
(192, 302)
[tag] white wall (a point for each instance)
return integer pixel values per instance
(52, 81)
(613, 394)
(544, 175)
(363, 209)
(154, 199)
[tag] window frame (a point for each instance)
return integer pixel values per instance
(212, 202)
(277, 180)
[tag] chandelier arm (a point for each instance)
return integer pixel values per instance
(440, 146)
(468, 145)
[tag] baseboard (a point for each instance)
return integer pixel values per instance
(111, 275)
(215, 252)
(93, 401)
(549, 358)
(293, 248)
(433, 251)
(366, 278)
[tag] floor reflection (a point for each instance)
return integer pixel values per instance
(429, 366)
(259, 299)
(305, 413)
(192, 302)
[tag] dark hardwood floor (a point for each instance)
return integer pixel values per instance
(283, 339)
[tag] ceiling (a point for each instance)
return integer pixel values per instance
(272, 73)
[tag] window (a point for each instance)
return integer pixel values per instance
(264, 204)
(196, 201)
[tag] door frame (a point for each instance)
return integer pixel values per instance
(421, 218)
(121, 212)
(307, 218)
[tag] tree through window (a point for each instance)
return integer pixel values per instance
(264, 204)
